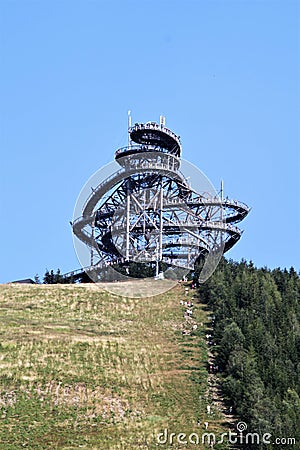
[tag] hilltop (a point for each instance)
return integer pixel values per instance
(82, 368)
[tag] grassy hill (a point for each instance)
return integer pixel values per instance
(82, 368)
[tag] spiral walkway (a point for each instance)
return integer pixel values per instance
(147, 212)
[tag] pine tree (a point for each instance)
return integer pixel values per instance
(37, 278)
(46, 279)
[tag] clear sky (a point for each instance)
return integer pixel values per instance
(224, 73)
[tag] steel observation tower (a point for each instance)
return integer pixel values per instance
(147, 213)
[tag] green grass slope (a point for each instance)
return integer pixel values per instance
(82, 368)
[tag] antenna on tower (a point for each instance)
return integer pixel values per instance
(129, 126)
(162, 121)
(222, 190)
(222, 199)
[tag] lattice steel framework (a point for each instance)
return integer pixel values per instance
(146, 212)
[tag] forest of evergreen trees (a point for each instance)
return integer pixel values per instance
(257, 337)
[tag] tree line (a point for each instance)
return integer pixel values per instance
(256, 333)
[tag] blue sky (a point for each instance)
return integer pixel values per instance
(224, 73)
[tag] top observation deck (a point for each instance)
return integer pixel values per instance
(150, 137)
(151, 133)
